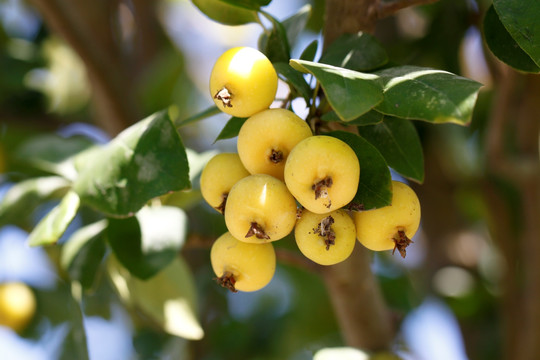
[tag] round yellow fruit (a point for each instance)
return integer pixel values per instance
(390, 227)
(266, 139)
(218, 177)
(243, 82)
(326, 239)
(240, 265)
(260, 209)
(17, 305)
(322, 173)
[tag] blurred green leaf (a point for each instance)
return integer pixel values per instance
(275, 44)
(49, 230)
(169, 298)
(83, 253)
(296, 79)
(225, 13)
(295, 24)
(248, 4)
(26, 195)
(231, 128)
(437, 96)
(520, 18)
(149, 241)
(359, 52)
(397, 140)
(211, 111)
(375, 187)
(144, 161)
(350, 93)
(310, 51)
(369, 118)
(503, 46)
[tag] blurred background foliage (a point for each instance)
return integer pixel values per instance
(59, 90)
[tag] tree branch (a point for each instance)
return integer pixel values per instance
(386, 8)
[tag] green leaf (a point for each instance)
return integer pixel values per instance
(520, 18)
(211, 111)
(225, 13)
(310, 51)
(369, 118)
(375, 187)
(169, 298)
(49, 230)
(503, 46)
(83, 253)
(397, 140)
(295, 24)
(359, 52)
(275, 45)
(231, 128)
(437, 96)
(350, 93)
(149, 241)
(296, 79)
(248, 4)
(146, 160)
(26, 195)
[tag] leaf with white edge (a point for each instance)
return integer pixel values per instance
(224, 13)
(399, 143)
(144, 161)
(49, 230)
(169, 298)
(350, 93)
(520, 18)
(359, 52)
(503, 46)
(375, 186)
(149, 241)
(341, 353)
(83, 253)
(28, 194)
(437, 96)
(248, 4)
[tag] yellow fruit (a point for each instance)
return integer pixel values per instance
(390, 227)
(240, 265)
(322, 173)
(17, 305)
(260, 209)
(266, 139)
(218, 177)
(326, 239)
(243, 82)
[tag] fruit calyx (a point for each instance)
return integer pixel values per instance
(401, 242)
(324, 229)
(225, 96)
(227, 280)
(221, 207)
(321, 189)
(258, 231)
(276, 156)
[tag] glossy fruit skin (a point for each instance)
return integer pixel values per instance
(251, 265)
(315, 246)
(315, 160)
(266, 139)
(218, 177)
(376, 229)
(17, 305)
(250, 79)
(264, 200)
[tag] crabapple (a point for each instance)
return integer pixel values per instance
(393, 226)
(266, 139)
(17, 305)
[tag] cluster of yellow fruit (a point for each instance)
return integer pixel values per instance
(280, 163)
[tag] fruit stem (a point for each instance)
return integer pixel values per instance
(401, 242)
(225, 96)
(258, 231)
(227, 280)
